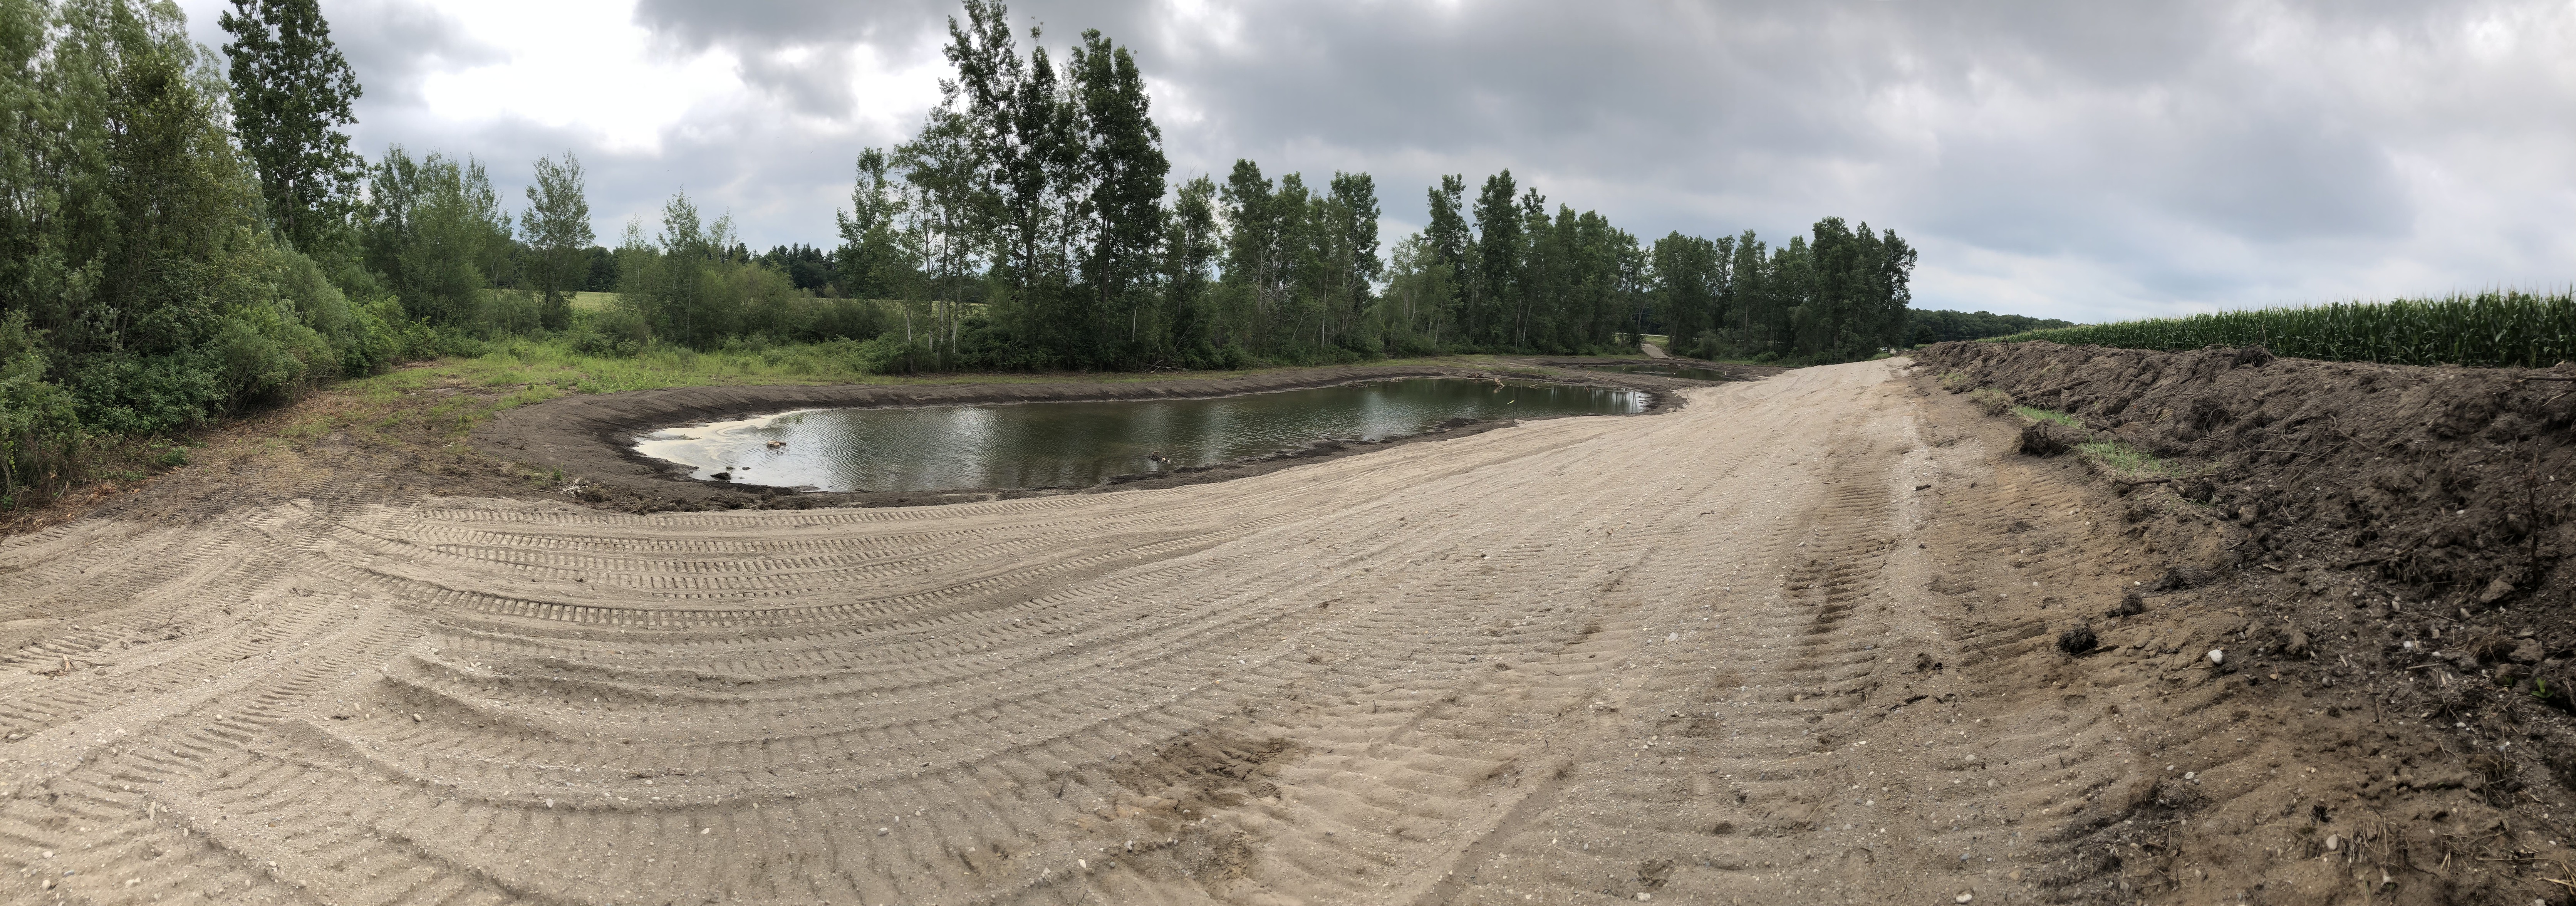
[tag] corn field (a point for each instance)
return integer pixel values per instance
(2496, 329)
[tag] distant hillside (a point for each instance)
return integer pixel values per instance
(1925, 327)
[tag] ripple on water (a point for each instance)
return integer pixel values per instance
(1078, 444)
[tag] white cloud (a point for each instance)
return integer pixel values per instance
(2083, 161)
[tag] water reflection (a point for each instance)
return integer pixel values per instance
(1679, 371)
(1033, 445)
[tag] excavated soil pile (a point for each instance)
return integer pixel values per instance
(2390, 546)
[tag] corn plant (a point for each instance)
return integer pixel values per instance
(2494, 329)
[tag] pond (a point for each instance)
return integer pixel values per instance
(1667, 370)
(1078, 444)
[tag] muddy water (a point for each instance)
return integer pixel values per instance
(1077, 444)
(1679, 371)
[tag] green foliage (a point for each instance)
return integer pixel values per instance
(2494, 329)
(1926, 327)
(290, 92)
(557, 226)
(39, 426)
(615, 333)
(2048, 415)
(435, 230)
(2123, 460)
(136, 249)
(887, 355)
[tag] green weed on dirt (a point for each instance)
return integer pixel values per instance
(2124, 461)
(2047, 415)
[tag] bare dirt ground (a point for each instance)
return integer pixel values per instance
(1792, 642)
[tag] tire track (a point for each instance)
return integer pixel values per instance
(1582, 656)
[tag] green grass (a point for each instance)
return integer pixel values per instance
(593, 301)
(2495, 329)
(2047, 415)
(2123, 460)
(455, 394)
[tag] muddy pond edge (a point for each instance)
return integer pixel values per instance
(589, 438)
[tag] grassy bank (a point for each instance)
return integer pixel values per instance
(518, 372)
(431, 407)
(2497, 329)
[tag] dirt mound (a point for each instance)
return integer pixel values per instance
(2395, 540)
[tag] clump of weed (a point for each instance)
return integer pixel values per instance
(1957, 382)
(1994, 401)
(2048, 415)
(2123, 460)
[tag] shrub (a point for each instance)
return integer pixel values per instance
(887, 354)
(39, 424)
(617, 332)
(131, 394)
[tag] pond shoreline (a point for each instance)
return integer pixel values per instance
(591, 438)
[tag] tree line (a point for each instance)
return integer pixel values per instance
(183, 234)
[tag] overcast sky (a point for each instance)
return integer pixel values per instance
(2089, 161)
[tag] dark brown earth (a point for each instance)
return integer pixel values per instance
(2381, 551)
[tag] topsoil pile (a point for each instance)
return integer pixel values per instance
(2396, 541)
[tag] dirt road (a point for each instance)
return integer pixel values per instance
(1689, 657)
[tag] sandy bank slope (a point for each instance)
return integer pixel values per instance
(1689, 656)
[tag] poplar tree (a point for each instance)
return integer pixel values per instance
(1255, 262)
(1191, 244)
(1353, 233)
(556, 227)
(872, 262)
(291, 93)
(1494, 288)
(1121, 179)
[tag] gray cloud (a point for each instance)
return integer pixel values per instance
(2081, 160)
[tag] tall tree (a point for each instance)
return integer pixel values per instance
(1689, 291)
(1450, 248)
(436, 231)
(291, 93)
(944, 210)
(872, 262)
(1256, 252)
(1191, 244)
(1495, 285)
(1353, 234)
(1121, 179)
(556, 227)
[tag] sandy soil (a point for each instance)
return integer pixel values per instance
(1790, 643)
